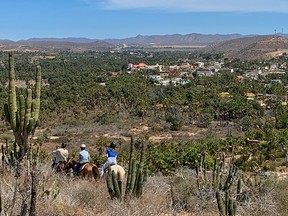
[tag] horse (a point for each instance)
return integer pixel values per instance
(119, 172)
(60, 166)
(87, 170)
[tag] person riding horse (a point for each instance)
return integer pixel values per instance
(111, 154)
(84, 157)
(60, 156)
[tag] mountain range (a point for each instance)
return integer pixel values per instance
(232, 45)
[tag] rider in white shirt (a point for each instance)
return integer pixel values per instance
(60, 154)
(84, 157)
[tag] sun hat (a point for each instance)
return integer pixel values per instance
(83, 145)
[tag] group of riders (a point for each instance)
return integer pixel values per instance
(61, 155)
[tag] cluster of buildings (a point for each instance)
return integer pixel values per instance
(181, 74)
(174, 74)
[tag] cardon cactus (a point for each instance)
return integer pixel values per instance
(137, 174)
(136, 177)
(22, 113)
(114, 187)
(227, 204)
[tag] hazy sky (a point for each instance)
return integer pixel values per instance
(102, 19)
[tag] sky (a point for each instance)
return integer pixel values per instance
(117, 19)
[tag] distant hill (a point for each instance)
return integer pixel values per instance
(256, 47)
(55, 45)
(69, 39)
(83, 44)
(231, 45)
(175, 39)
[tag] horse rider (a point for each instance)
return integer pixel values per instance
(84, 157)
(59, 155)
(111, 154)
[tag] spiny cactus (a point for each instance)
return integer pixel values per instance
(132, 166)
(22, 113)
(137, 173)
(201, 168)
(221, 184)
(114, 186)
(226, 203)
(136, 177)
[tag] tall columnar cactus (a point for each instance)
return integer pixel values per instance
(137, 174)
(226, 203)
(114, 186)
(132, 166)
(22, 113)
(201, 167)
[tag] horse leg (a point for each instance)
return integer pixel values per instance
(120, 186)
(81, 173)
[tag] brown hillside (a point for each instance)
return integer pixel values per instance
(53, 46)
(257, 47)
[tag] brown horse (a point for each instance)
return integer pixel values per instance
(87, 170)
(59, 167)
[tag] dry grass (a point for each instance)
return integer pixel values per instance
(63, 196)
(82, 197)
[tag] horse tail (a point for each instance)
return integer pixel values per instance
(96, 173)
(120, 174)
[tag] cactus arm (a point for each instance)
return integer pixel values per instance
(21, 113)
(133, 176)
(130, 168)
(12, 92)
(33, 109)
(139, 184)
(7, 113)
(231, 175)
(116, 186)
(220, 203)
(28, 104)
(239, 186)
(37, 93)
(109, 183)
(140, 167)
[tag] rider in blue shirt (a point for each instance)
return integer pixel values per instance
(111, 154)
(84, 157)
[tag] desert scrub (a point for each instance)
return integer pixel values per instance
(84, 193)
(185, 194)
(282, 196)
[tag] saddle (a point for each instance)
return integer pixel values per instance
(83, 166)
(108, 167)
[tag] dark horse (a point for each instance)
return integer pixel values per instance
(87, 170)
(59, 167)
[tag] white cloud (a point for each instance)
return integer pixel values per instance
(197, 5)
